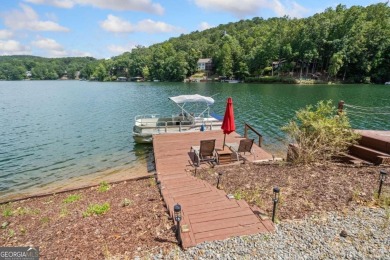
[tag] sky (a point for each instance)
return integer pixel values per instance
(107, 28)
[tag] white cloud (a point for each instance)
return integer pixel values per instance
(117, 49)
(57, 3)
(57, 53)
(47, 44)
(52, 49)
(239, 8)
(28, 19)
(118, 5)
(117, 25)
(66, 53)
(12, 47)
(5, 34)
(252, 7)
(291, 8)
(151, 26)
(204, 26)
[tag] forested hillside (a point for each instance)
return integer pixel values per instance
(22, 67)
(350, 45)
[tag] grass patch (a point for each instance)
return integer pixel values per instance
(7, 213)
(23, 230)
(104, 186)
(72, 198)
(64, 212)
(11, 233)
(237, 195)
(45, 220)
(152, 182)
(96, 209)
(384, 200)
(21, 211)
(6, 210)
(251, 196)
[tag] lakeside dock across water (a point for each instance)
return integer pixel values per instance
(207, 212)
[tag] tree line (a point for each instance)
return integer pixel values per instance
(346, 44)
(32, 67)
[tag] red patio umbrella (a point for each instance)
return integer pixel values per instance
(228, 125)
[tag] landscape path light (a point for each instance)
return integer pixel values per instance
(382, 178)
(219, 178)
(159, 186)
(276, 191)
(177, 213)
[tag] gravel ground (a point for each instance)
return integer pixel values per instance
(360, 234)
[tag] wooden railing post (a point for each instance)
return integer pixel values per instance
(257, 133)
(341, 107)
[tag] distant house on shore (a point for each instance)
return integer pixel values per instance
(121, 79)
(205, 65)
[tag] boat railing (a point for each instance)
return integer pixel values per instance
(165, 126)
(183, 122)
(146, 116)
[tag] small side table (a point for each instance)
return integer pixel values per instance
(224, 156)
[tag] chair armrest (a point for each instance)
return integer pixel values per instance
(232, 146)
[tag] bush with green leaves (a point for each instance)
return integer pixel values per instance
(320, 133)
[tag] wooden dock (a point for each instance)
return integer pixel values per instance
(208, 214)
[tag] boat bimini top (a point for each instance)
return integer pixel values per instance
(192, 99)
(182, 100)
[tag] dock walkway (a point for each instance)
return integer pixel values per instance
(208, 214)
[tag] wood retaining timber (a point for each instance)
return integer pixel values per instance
(373, 148)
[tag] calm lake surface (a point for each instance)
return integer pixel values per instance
(55, 131)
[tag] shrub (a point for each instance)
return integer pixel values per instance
(96, 209)
(320, 133)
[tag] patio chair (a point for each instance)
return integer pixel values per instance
(245, 146)
(204, 152)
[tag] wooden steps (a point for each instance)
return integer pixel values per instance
(353, 159)
(373, 148)
(369, 154)
(207, 213)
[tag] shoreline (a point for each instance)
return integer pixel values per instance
(112, 175)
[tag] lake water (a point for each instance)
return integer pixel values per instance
(58, 132)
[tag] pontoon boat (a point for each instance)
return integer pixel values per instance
(194, 116)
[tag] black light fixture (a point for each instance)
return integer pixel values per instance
(177, 212)
(219, 178)
(382, 178)
(276, 191)
(159, 186)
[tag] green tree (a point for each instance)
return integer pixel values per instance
(100, 72)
